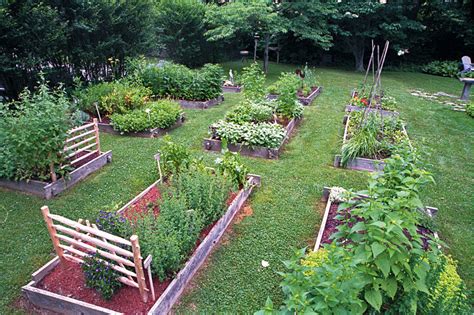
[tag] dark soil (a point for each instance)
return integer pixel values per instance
(83, 161)
(332, 223)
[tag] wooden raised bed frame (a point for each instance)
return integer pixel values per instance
(305, 100)
(359, 163)
(430, 211)
(52, 301)
(231, 88)
(201, 104)
(210, 144)
(152, 133)
(82, 140)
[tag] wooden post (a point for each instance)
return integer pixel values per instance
(137, 259)
(147, 265)
(52, 233)
(157, 158)
(97, 139)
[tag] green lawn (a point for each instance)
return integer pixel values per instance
(286, 209)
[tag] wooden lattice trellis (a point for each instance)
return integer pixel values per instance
(73, 241)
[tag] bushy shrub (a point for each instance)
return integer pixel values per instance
(116, 97)
(267, 135)
(442, 68)
(161, 114)
(470, 109)
(179, 82)
(100, 276)
(448, 291)
(32, 134)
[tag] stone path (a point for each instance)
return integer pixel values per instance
(442, 98)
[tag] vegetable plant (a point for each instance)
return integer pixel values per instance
(161, 114)
(32, 134)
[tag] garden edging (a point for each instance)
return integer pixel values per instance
(201, 104)
(47, 190)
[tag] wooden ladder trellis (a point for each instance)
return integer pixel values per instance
(82, 143)
(80, 240)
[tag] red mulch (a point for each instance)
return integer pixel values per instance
(144, 204)
(68, 279)
(332, 223)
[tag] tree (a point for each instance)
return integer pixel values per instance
(359, 21)
(70, 38)
(245, 18)
(181, 31)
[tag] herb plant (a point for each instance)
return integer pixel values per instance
(100, 276)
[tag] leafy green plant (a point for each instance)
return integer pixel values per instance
(113, 223)
(232, 168)
(448, 291)
(204, 192)
(174, 156)
(161, 114)
(372, 136)
(442, 68)
(268, 135)
(253, 111)
(470, 109)
(116, 97)
(32, 134)
(288, 105)
(331, 285)
(100, 276)
(253, 82)
(179, 82)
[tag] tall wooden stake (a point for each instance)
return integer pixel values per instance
(97, 138)
(52, 233)
(137, 258)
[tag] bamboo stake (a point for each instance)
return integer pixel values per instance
(139, 268)
(52, 233)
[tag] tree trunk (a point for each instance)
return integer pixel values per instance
(358, 52)
(265, 56)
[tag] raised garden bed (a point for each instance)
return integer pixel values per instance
(231, 89)
(361, 163)
(106, 127)
(329, 223)
(305, 100)
(350, 108)
(211, 144)
(167, 292)
(201, 104)
(85, 159)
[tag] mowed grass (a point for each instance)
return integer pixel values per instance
(286, 209)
